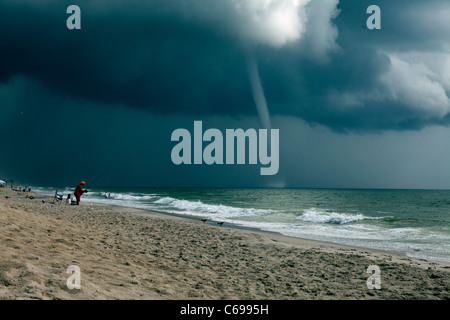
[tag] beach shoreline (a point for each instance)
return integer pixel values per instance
(283, 238)
(128, 253)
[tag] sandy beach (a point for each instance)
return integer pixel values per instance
(127, 253)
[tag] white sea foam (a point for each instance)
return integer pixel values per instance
(212, 210)
(165, 200)
(121, 196)
(319, 216)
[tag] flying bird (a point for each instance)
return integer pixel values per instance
(204, 220)
(220, 223)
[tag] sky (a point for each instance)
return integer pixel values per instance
(355, 107)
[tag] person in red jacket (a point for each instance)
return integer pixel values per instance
(79, 191)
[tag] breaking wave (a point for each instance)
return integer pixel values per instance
(318, 216)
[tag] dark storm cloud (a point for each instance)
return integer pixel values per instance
(169, 57)
(164, 65)
(72, 139)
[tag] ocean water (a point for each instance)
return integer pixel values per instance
(413, 222)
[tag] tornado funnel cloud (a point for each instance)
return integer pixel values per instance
(258, 92)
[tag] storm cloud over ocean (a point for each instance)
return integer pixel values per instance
(355, 107)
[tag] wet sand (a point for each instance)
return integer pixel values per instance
(126, 253)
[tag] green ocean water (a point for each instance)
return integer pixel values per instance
(413, 222)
